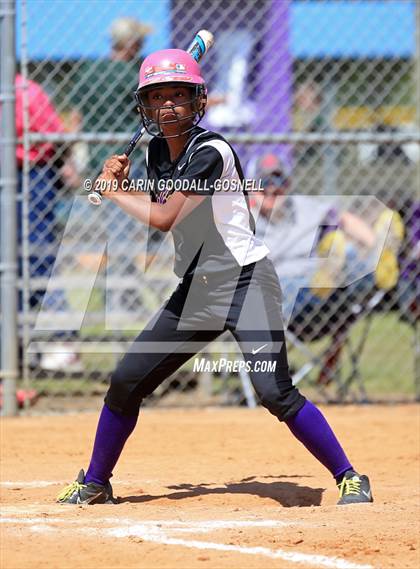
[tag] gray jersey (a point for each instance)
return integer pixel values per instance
(292, 238)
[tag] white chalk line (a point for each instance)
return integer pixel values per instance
(32, 484)
(177, 525)
(294, 557)
(156, 531)
(44, 483)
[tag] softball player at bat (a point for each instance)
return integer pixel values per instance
(227, 280)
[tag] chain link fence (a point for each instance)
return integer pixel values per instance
(328, 88)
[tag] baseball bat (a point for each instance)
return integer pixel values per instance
(201, 43)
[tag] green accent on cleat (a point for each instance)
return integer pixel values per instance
(354, 489)
(80, 493)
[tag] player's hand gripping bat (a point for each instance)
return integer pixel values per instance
(198, 47)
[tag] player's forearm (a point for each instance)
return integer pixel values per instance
(140, 207)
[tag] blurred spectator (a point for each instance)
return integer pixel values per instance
(44, 182)
(301, 229)
(127, 35)
(309, 117)
(308, 105)
(316, 250)
(289, 226)
(101, 93)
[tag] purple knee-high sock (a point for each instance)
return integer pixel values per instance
(112, 432)
(311, 428)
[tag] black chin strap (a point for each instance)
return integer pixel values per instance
(154, 127)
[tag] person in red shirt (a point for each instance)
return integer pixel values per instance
(44, 182)
(42, 118)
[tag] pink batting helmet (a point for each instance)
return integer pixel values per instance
(168, 66)
(171, 66)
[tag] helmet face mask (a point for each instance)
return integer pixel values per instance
(151, 115)
(171, 68)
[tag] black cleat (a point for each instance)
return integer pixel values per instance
(354, 489)
(80, 493)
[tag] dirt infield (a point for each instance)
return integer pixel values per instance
(212, 488)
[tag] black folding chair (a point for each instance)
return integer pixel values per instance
(334, 319)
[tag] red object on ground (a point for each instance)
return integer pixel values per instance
(24, 397)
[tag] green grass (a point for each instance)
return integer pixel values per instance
(68, 387)
(386, 364)
(387, 359)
